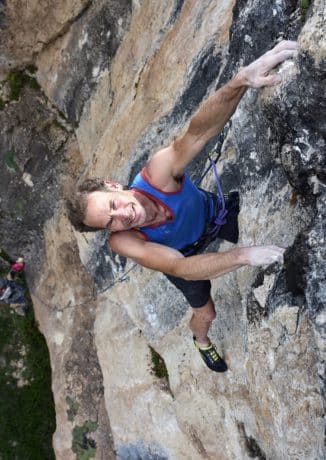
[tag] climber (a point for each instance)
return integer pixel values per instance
(163, 214)
(13, 294)
(16, 268)
(5, 290)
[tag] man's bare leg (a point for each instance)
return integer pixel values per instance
(199, 324)
(201, 321)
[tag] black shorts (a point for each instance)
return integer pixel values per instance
(197, 293)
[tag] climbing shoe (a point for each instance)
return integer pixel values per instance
(211, 357)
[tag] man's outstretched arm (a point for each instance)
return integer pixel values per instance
(212, 116)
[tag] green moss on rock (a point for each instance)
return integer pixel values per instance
(9, 158)
(304, 6)
(82, 444)
(158, 365)
(72, 408)
(17, 80)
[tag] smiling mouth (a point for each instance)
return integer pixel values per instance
(132, 217)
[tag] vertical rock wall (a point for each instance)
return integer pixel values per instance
(123, 78)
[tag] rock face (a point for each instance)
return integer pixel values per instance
(116, 81)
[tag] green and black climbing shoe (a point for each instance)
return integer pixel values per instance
(211, 357)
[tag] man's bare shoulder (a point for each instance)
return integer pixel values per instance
(159, 170)
(126, 242)
(152, 255)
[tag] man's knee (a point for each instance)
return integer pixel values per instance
(206, 313)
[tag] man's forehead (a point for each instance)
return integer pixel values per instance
(98, 198)
(105, 195)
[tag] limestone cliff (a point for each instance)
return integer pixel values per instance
(93, 88)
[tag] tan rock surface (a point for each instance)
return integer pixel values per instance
(30, 26)
(137, 89)
(101, 314)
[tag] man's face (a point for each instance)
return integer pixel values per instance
(116, 211)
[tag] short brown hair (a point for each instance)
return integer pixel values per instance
(77, 203)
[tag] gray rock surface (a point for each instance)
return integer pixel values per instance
(117, 81)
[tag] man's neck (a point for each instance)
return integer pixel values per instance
(155, 213)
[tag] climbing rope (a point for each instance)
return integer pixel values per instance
(215, 152)
(121, 279)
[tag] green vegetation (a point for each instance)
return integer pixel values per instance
(27, 417)
(2, 104)
(31, 69)
(17, 80)
(304, 6)
(5, 257)
(73, 408)
(61, 114)
(158, 365)
(19, 205)
(57, 124)
(82, 444)
(10, 161)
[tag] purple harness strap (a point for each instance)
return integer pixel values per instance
(220, 219)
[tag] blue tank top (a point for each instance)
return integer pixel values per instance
(188, 207)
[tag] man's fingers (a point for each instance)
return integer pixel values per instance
(275, 59)
(275, 253)
(257, 73)
(278, 254)
(284, 45)
(271, 80)
(264, 255)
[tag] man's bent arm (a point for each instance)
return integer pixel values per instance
(199, 267)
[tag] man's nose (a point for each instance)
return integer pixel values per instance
(120, 212)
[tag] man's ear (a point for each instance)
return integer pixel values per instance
(113, 186)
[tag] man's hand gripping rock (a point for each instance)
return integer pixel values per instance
(264, 255)
(257, 74)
